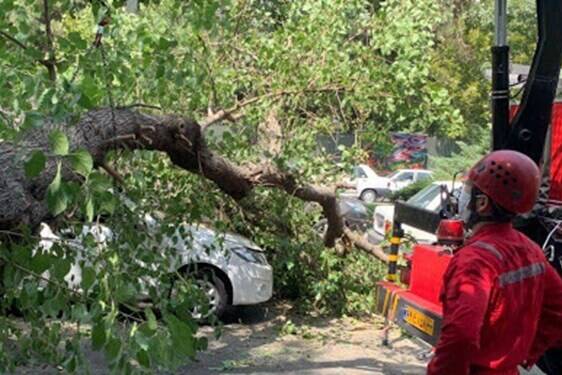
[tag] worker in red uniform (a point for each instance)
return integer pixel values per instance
(502, 301)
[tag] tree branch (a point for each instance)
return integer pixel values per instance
(362, 244)
(113, 173)
(344, 185)
(228, 114)
(51, 62)
(103, 130)
(13, 40)
(21, 45)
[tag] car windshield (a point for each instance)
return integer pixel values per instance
(425, 196)
(358, 173)
(392, 175)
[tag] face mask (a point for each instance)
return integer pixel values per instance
(464, 201)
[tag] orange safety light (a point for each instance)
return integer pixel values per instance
(450, 232)
(387, 226)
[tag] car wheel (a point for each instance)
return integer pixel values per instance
(214, 291)
(369, 196)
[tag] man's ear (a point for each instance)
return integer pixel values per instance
(483, 205)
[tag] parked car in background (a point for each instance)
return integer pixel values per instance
(374, 187)
(362, 172)
(229, 269)
(359, 174)
(430, 198)
(355, 214)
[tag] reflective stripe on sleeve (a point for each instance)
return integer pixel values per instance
(521, 274)
(486, 246)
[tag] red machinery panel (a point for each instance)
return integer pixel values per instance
(429, 264)
(556, 154)
(417, 309)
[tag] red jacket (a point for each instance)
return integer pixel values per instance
(502, 305)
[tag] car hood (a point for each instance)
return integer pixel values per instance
(207, 236)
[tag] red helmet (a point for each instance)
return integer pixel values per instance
(510, 178)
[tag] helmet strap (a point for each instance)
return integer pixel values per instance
(498, 214)
(474, 217)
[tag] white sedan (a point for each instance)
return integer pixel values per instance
(371, 187)
(230, 269)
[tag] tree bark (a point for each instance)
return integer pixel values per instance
(22, 200)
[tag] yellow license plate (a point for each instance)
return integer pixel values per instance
(419, 320)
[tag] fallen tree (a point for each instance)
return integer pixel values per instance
(22, 199)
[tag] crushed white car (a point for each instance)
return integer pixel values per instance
(230, 269)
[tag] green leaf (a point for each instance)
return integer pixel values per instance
(89, 92)
(98, 182)
(108, 203)
(59, 143)
(35, 164)
(34, 53)
(77, 40)
(54, 305)
(88, 277)
(151, 318)
(182, 336)
(89, 209)
(80, 313)
(143, 358)
(125, 292)
(56, 199)
(40, 263)
(98, 336)
(61, 269)
(112, 349)
(70, 364)
(82, 162)
(22, 255)
(9, 278)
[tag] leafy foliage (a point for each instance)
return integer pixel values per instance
(409, 191)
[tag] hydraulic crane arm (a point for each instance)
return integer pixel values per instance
(529, 128)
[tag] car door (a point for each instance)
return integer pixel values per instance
(403, 179)
(358, 174)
